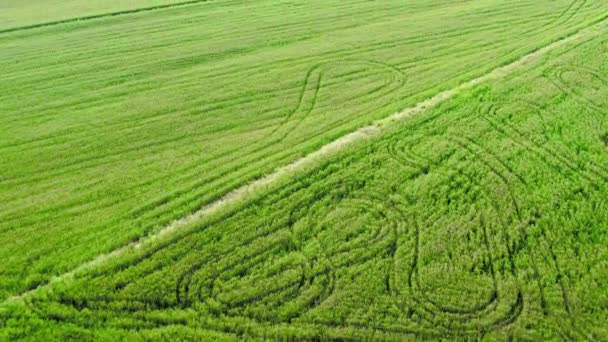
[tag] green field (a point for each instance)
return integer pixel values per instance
(482, 217)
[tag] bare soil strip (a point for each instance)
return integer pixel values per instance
(246, 191)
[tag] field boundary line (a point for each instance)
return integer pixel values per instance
(100, 16)
(245, 191)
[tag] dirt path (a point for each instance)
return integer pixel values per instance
(246, 191)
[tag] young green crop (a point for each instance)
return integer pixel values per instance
(114, 127)
(484, 218)
(17, 15)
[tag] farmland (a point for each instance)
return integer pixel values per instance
(484, 216)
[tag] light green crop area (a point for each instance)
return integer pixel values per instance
(18, 14)
(485, 217)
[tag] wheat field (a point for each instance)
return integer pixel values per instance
(478, 214)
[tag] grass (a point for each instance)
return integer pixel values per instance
(480, 218)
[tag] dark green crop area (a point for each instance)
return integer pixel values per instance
(485, 217)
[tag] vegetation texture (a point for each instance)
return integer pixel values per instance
(483, 218)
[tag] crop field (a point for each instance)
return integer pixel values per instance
(189, 170)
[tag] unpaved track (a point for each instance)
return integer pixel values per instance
(246, 191)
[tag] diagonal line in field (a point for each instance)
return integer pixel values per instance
(244, 192)
(101, 15)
